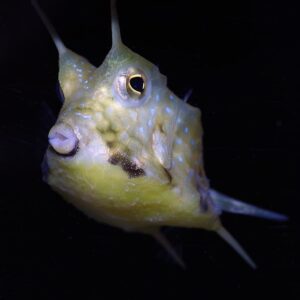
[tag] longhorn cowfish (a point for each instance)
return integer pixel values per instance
(128, 152)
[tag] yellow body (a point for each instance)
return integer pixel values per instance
(108, 195)
(163, 137)
(128, 152)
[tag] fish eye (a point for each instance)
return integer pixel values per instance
(136, 85)
(131, 87)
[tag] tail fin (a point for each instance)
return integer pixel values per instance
(228, 204)
(236, 246)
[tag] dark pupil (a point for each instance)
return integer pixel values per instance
(137, 83)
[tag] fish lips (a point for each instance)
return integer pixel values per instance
(63, 140)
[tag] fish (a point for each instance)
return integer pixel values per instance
(128, 152)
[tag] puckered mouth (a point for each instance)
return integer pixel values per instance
(63, 140)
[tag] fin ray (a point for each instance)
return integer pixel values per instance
(226, 236)
(187, 95)
(228, 204)
(162, 240)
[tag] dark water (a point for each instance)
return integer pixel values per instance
(242, 61)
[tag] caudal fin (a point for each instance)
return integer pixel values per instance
(228, 204)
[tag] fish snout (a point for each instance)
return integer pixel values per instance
(63, 139)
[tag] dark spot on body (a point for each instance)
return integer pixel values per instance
(204, 204)
(115, 159)
(169, 175)
(203, 188)
(110, 144)
(127, 165)
(110, 129)
(160, 128)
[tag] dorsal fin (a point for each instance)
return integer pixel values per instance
(61, 48)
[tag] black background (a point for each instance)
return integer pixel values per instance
(242, 61)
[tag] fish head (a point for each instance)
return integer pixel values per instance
(111, 112)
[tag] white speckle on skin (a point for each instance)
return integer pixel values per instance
(154, 219)
(133, 115)
(141, 130)
(150, 123)
(171, 97)
(152, 111)
(157, 98)
(179, 158)
(168, 110)
(178, 141)
(177, 190)
(193, 142)
(124, 136)
(186, 130)
(109, 111)
(83, 115)
(103, 89)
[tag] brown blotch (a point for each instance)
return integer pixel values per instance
(127, 165)
(160, 127)
(110, 144)
(204, 204)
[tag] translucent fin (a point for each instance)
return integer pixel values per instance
(163, 141)
(228, 204)
(187, 95)
(115, 28)
(56, 39)
(225, 235)
(171, 135)
(169, 248)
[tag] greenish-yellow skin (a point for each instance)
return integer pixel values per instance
(159, 133)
